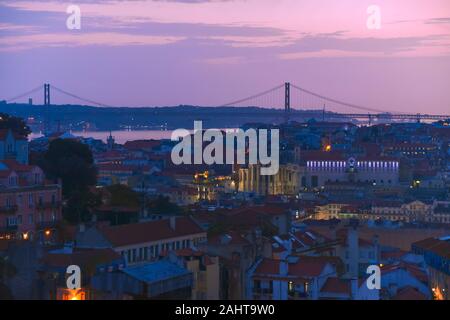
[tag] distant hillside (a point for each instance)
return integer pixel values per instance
(107, 118)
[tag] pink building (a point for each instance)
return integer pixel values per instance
(30, 205)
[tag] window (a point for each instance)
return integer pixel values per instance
(19, 199)
(30, 219)
(291, 287)
(8, 202)
(11, 221)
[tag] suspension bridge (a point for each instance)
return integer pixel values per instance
(297, 102)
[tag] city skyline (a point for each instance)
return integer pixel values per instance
(150, 53)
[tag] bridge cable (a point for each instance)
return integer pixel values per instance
(233, 103)
(81, 98)
(25, 94)
(343, 103)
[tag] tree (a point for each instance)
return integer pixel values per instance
(17, 125)
(72, 162)
(79, 206)
(123, 196)
(162, 205)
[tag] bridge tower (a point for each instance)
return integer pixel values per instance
(287, 100)
(46, 94)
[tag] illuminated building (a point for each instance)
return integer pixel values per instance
(285, 182)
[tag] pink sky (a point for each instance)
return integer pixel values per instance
(144, 53)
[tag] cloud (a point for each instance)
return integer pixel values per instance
(224, 60)
(438, 21)
(26, 42)
(281, 29)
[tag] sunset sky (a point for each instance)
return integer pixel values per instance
(156, 52)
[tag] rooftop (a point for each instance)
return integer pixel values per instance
(156, 271)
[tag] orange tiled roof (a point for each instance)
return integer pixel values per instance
(136, 233)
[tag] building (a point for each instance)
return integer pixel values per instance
(205, 270)
(399, 276)
(436, 253)
(323, 167)
(157, 280)
(30, 205)
(292, 279)
(98, 269)
(13, 146)
(355, 252)
(141, 242)
(347, 289)
(314, 169)
(237, 254)
(303, 278)
(285, 182)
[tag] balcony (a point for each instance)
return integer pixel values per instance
(46, 225)
(48, 205)
(8, 210)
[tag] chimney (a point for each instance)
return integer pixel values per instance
(173, 223)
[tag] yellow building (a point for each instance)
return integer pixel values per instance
(205, 271)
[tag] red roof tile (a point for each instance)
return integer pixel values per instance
(81, 257)
(136, 233)
(336, 285)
